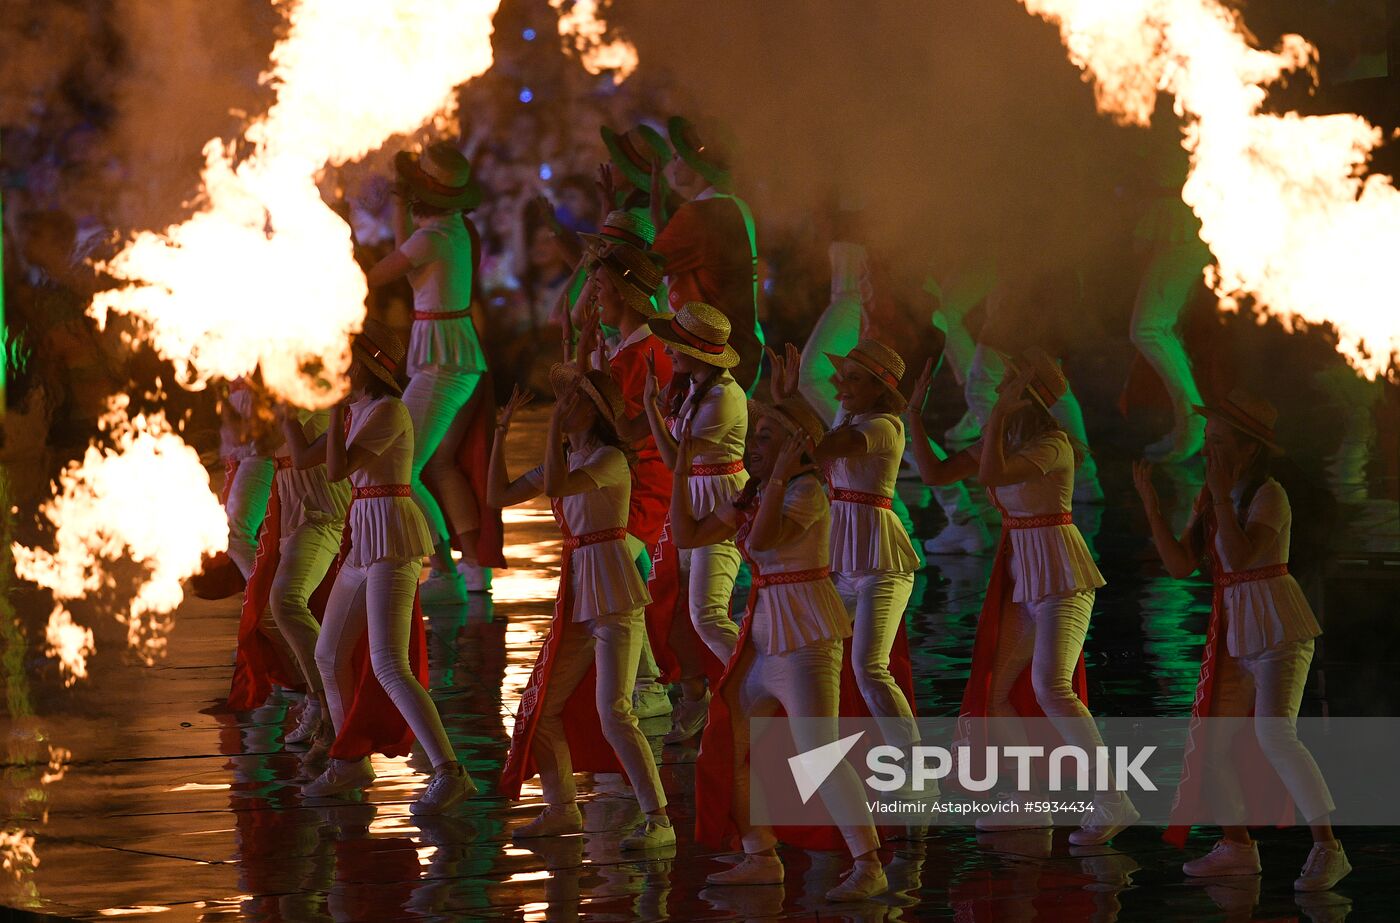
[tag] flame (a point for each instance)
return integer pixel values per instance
(145, 497)
(1294, 224)
(579, 22)
(263, 275)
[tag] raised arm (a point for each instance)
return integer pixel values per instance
(686, 530)
(1239, 546)
(994, 468)
(305, 453)
(559, 481)
(501, 491)
(771, 528)
(656, 417)
(935, 467)
(337, 464)
(1180, 556)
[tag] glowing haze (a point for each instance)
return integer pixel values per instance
(1283, 204)
(580, 26)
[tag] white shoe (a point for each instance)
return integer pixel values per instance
(341, 776)
(650, 701)
(1326, 865)
(863, 881)
(1225, 859)
(476, 577)
(650, 834)
(754, 870)
(964, 432)
(443, 587)
(444, 792)
(1111, 815)
(688, 720)
(308, 724)
(554, 820)
(971, 537)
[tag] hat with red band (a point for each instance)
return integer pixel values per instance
(878, 359)
(441, 176)
(698, 330)
(1047, 383)
(1251, 415)
(637, 152)
(381, 351)
(622, 226)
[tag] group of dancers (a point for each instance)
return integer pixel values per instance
(666, 479)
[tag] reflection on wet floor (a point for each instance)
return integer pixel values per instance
(165, 813)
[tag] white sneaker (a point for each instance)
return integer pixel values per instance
(476, 577)
(308, 724)
(971, 537)
(1224, 859)
(554, 820)
(754, 870)
(688, 720)
(1326, 865)
(443, 587)
(1112, 814)
(444, 792)
(341, 776)
(650, 834)
(650, 701)
(863, 881)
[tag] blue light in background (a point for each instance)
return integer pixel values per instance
(528, 35)
(545, 171)
(526, 94)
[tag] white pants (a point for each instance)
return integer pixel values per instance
(710, 571)
(306, 556)
(836, 332)
(611, 644)
(378, 599)
(435, 397)
(876, 600)
(1163, 295)
(246, 508)
(805, 683)
(1048, 635)
(1271, 683)
(647, 670)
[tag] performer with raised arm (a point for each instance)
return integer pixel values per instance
(576, 711)
(1028, 658)
(1259, 644)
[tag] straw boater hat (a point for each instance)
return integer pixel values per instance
(600, 387)
(625, 227)
(637, 152)
(440, 176)
(382, 352)
(879, 360)
(1253, 416)
(711, 155)
(698, 330)
(638, 275)
(1047, 382)
(794, 414)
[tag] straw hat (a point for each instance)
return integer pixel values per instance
(626, 227)
(381, 351)
(794, 414)
(637, 274)
(698, 330)
(600, 387)
(1253, 416)
(637, 152)
(440, 176)
(879, 360)
(710, 156)
(1047, 382)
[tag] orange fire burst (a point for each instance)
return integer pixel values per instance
(579, 25)
(1294, 224)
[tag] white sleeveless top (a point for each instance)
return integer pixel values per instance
(864, 538)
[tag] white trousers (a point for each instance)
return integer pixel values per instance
(435, 397)
(647, 670)
(1271, 683)
(837, 330)
(612, 645)
(710, 572)
(1162, 297)
(876, 600)
(379, 600)
(306, 556)
(805, 683)
(1048, 635)
(246, 508)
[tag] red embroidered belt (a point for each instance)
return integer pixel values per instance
(381, 490)
(283, 462)
(594, 538)
(716, 470)
(441, 315)
(795, 576)
(1230, 578)
(1037, 522)
(864, 499)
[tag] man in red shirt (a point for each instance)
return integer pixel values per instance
(709, 244)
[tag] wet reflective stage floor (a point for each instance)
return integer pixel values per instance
(142, 807)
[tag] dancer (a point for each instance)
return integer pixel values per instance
(375, 590)
(710, 244)
(1259, 644)
(576, 712)
(437, 251)
(872, 560)
(1027, 660)
(708, 406)
(789, 654)
(248, 473)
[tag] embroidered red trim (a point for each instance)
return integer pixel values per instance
(1037, 522)
(1230, 578)
(718, 469)
(573, 542)
(796, 576)
(373, 491)
(864, 499)
(442, 315)
(284, 462)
